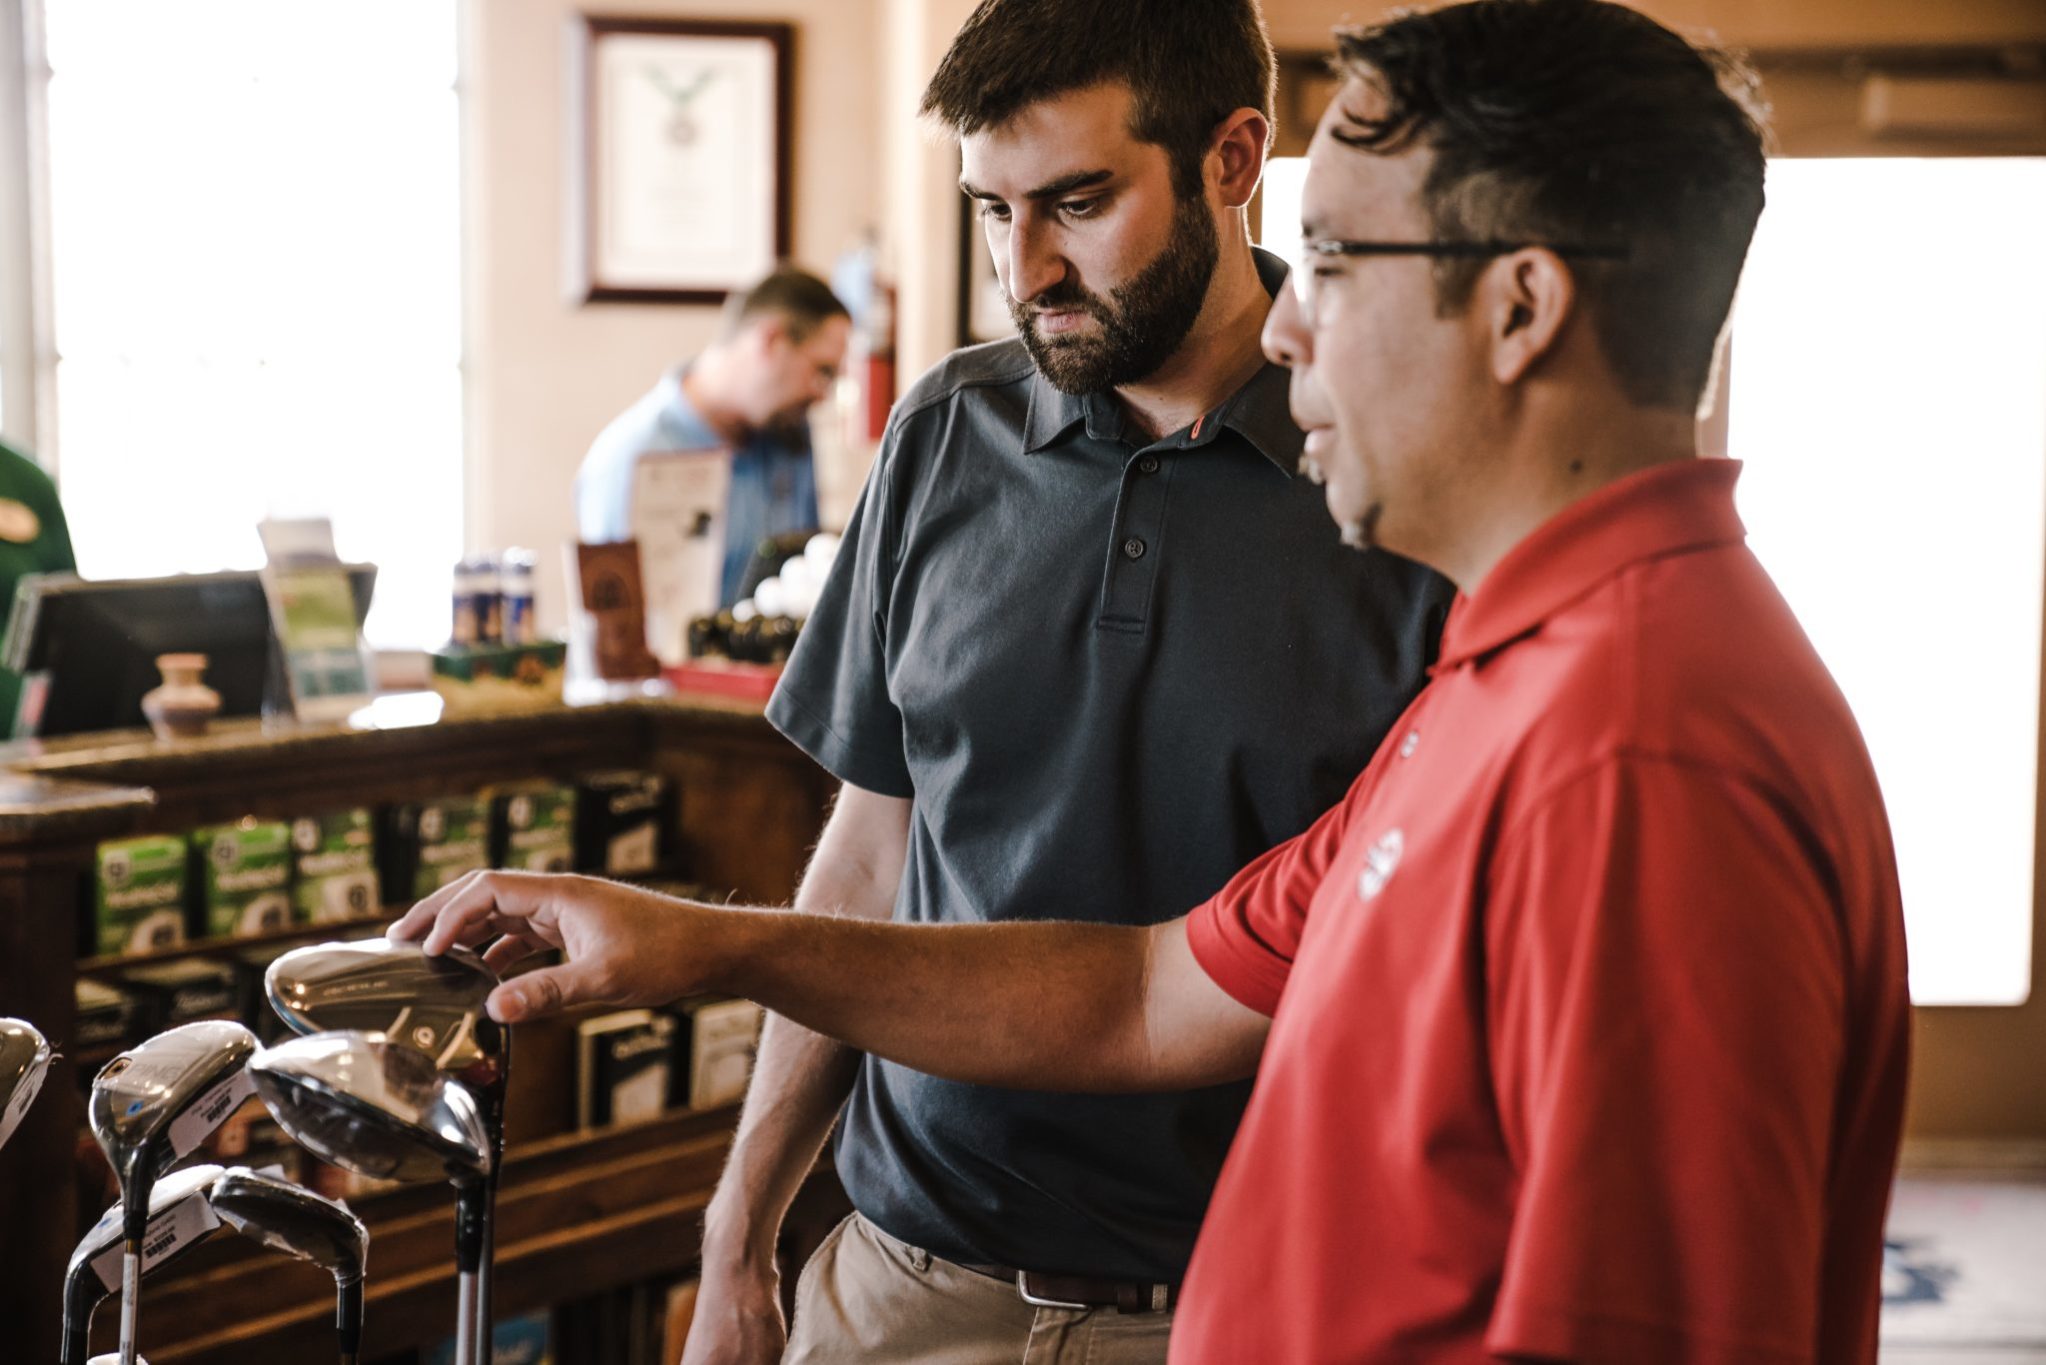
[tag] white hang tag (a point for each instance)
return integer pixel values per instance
(193, 1126)
(178, 1226)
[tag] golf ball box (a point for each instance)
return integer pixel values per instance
(334, 860)
(622, 821)
(243, 872)
(185, 992)
(624, 1063)
(139, 895)
(714, 1047)
(110, 1019)
(428, 844)
(532, 827)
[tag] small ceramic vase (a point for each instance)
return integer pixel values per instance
(181, 707)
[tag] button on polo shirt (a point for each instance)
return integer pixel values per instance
(1087, 734)
(1589, 1009)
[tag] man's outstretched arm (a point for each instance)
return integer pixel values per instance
(1034, 1005)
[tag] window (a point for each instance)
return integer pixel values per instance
(1888, 395)
(254, 240)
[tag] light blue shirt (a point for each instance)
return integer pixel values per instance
(774, 486)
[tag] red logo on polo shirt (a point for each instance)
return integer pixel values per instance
(1381, 860)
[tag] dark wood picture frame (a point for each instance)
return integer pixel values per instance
(597, 275)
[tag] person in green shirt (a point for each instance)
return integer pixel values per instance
(33, 539)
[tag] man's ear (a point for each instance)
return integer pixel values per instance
(1526, 299)
(1236, 156)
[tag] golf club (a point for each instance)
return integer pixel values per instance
(149, 1108)
(24, 1058)
(284, 1217)
(382, 1109)
(432, 1003)
(179, 1219)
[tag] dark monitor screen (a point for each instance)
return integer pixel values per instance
(95, 643)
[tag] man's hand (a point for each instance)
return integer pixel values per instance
(738, 1317)
(624, 946)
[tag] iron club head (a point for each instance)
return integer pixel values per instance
(287, 1218)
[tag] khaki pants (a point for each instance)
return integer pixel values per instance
(867, 1297)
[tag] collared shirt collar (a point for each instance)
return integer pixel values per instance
(1258, 411)
(1683, 505)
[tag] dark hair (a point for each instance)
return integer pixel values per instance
(1585, 122)
(797, 297)
(1188, 63)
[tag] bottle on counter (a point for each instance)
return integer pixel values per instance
(515, 590)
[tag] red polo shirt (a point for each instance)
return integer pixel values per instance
(1589, 1019)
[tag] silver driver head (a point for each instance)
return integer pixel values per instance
(289, 1218)
(24, 1060)
(368, 1105)
(432, 1003)
(155, 1102)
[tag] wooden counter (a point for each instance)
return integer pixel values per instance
(581, 1212)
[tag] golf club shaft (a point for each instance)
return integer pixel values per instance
(465, 1321)
(131, 1298)
(484, 1270)
(348, 1320)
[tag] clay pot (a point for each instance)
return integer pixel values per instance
(182, 706)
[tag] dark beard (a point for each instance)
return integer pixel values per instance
(1149, 318)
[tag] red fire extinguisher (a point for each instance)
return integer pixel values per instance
(878, 347)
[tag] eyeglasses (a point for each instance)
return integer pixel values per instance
(1306, 285)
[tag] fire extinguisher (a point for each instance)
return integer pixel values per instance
(878, 350)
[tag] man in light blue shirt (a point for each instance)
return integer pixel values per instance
(778, 352)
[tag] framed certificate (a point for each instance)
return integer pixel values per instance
(679, 157)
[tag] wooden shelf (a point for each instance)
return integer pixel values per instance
(221, 947)
(580, 1213)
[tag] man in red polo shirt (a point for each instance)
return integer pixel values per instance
(1583, 1018)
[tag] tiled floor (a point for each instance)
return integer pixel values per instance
(1966, 1283)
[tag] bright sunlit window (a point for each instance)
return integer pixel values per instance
(256, 276)
(1889, 399)
(1888, 395)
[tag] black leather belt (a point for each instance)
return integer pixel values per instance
(1077, 1291)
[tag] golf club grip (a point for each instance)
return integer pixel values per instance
(348, 1320)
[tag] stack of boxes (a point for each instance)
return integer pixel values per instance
(257, 877)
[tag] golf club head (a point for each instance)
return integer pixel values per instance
(431, 1003)
(289, 1218)
(359, 1101)
(180, 1217)
(24, 1060)
(153, 1104)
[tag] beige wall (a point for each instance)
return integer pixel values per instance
(1304, 25)
(545, 372)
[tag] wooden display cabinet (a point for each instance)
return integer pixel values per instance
(580, 1212)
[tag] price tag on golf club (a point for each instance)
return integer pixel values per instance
(24, 1095)
(189, 1220)
(193, 1126)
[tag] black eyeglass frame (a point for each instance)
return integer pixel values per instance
(1338, 246)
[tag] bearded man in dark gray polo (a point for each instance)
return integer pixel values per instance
(1092, 644)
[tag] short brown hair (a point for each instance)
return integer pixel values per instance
(1189, 64)
(1586, 122)
(801, 300)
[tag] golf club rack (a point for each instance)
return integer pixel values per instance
(397, 1072)
(169, 1016)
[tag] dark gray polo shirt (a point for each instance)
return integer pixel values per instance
(1109, 673)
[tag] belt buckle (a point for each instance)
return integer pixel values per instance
(1023, 1288)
